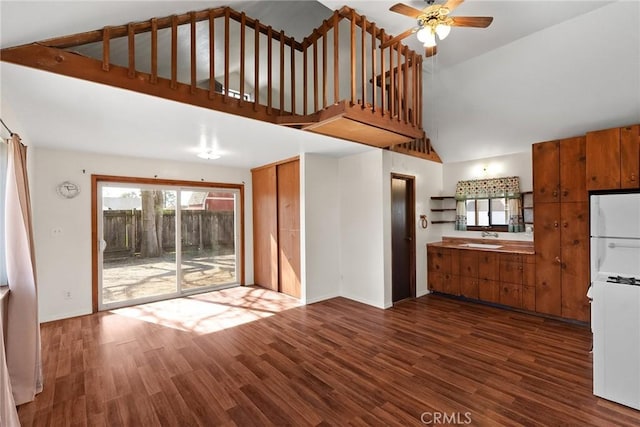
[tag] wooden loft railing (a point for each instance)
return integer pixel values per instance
(339, 81)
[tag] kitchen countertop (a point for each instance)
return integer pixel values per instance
(506, 246)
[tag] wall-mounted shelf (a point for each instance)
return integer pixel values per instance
(444, 209)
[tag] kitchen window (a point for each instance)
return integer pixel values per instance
(489, 204)
(487, 213)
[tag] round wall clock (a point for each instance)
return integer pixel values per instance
(68, 190)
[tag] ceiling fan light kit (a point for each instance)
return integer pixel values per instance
(435, 20)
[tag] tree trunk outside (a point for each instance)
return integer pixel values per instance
(152, 203)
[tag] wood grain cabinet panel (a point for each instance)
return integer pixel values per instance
(575, 260)
(489, 290)
(603, 159)
(288, 175)
(276, 227)
(573, 160)
(265, 227)
(488, 266)
(629, 156)
(613, 158)
(529, 282)
(469, 287)
(511, 295)
(547, 246)
(546, 177)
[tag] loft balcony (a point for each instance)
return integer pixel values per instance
(339, 81)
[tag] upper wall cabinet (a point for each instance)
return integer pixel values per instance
(613, 158)
(558, 171)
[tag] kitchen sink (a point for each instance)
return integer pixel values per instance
(481, 245)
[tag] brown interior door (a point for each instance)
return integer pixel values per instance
(402, 238)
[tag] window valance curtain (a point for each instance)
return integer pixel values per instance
(508, 187)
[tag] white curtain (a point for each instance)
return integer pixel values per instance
(8, 412)
(23, 328)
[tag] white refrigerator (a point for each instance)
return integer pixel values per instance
(615, 295)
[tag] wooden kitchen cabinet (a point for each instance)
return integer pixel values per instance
(495, 277)
(613, 158)
(558, 172)
(560, 237)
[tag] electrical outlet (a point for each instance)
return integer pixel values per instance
(56, 231)
(67, 294)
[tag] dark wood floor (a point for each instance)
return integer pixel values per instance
(336, 362)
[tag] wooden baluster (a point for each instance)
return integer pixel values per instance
(324, 64)
(106, 49)
(363, 61)
(132, 50)
(192, 16)
(154, 51)
(392, 82)
(406, 85)
(227, 13)
(293, 77)
(305, 79)
(420, 93)
(269, 69)
(374, 90)
(174, 52)
(212, 54)
(315, 74)
(256, 76)
(414, 64)
(383, 78)
(353, 57)
(336, 59)
(281, 87)
(243, 23)
(399, 91)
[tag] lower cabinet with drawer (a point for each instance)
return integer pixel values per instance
(500, 278)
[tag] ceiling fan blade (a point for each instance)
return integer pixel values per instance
(397, 38)
(430, 51)
(472, 21)
(452, 4)
(403, 9)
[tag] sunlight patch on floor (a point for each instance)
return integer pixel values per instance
(212, 311)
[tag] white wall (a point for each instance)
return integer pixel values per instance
(361, 228)
(320, 220)
(64, 261)
(428, 182)
(518, 164)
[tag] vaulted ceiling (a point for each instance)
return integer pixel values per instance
(542, 70)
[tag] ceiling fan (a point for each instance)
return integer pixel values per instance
(434, 20)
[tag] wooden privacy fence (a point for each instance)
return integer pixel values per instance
(201, 229)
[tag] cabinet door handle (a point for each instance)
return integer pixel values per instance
(555, 224)
(565, 193)
(555, 193)
(633, 177)
(558, 260)
(565, 225)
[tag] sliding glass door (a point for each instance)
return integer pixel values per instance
(163, 241)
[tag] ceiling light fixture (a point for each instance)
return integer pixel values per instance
(435, 22)
(209, 155)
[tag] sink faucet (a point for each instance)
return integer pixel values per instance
(490, 233)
